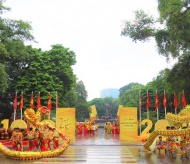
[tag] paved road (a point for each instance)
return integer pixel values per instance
(103, 148)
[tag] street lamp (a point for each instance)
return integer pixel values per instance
(11, 103)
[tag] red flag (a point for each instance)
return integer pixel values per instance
(15, 102)
(49, 102)
(56, 100)
(140, 102)
(38, 101)
(183, 100)
(32, 101)
(164, 100)
(175, 101)
(147, 101)
(157, 101)
(21, 101)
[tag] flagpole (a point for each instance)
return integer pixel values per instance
(14, 105)
(183, 98)
(147, 108)
(140, 113)
(21, 114)
(14, 114)
(164, 102)
(48, 103)
(56, 106)
(175, 102)
(21, 102)
(157, 106)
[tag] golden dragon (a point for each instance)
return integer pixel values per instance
(183, 117)
(34, 118)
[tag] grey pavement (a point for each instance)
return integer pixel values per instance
(104, 148)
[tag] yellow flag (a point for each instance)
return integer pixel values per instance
(93, 112)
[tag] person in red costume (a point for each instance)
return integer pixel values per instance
(44, 136)
(88, 126)
(16, 140)
(79, 129)
(50, 131)
(30, 138)
(117, 128)
(36, 138)
(93, 128)
(55, 138)
(114, 128)
(85, 129)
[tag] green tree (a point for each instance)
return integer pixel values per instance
(170, 30)
(179, 77)
(100, 104)
(130, 94)
(4, 79)
(174, 14)
(71, 98)
(142, 29)
(123, 89)
(171, 33)
(13, 52)
(82, 111)
(14, 56)
(49, 71)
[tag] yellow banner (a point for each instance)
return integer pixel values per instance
(128, 123)
(93, 112)
(66, 122)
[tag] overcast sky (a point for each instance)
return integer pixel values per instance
(92, 29)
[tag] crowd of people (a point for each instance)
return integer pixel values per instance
(111, 128)
(171, 144)
(38, 138)
(87, 128)
(90, 127)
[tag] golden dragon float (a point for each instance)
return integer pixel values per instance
(179, 121)
(34, 119)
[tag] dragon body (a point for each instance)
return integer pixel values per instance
(34, 118)
(179, 120)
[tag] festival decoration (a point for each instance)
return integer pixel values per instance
(178, 129)
(34, 119)
(86, 127)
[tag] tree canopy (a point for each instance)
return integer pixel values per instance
(100, 104)
(26, 69)
(48, 71)
(170, 30)
(13, 52)
(171, 33)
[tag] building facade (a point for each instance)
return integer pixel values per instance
(111, 92)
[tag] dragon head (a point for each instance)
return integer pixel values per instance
(44, 110)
